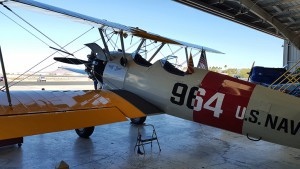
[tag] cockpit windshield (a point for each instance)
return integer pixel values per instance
(138, 59)
(171, 68)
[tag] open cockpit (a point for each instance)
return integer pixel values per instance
(169, 67)
(138, 59)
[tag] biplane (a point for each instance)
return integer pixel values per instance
(131, 86)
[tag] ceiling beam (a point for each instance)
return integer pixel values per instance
(295, 7)
(213, 2)
(270, 4)
(283, 29)
(290, 19)
(201, 5)
(290, 14)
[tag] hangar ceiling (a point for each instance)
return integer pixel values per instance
(280, 18)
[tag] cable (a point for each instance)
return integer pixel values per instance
(32, 26)
(133, 44)
(49, 65)
(40, 40)
(109, 39)
(25, 29)
(37, 38)
(49, 57)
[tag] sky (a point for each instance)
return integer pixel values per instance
(241, 45)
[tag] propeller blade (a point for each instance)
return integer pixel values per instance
(70, 60)
(97, 49)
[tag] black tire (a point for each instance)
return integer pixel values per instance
(85, 132)
(138, 121)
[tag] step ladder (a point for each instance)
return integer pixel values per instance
(143, 138)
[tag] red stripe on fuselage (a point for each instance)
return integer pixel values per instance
(223, 101)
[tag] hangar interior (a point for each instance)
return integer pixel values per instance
(112, 145)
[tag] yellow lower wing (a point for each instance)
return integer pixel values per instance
(37, 112)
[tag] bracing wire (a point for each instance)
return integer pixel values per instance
(109, 39)
(32, 26)
(38, 39)
(133, 44)
(47, 66)
(45, 59)
(150, 50)
(170, 48)
(24, 28)
(47, 37)
(116, 41)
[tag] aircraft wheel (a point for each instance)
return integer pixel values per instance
(140, 120)
(85, 132)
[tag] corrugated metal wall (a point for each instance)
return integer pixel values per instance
(291, 55)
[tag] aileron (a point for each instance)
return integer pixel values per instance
(13, 126)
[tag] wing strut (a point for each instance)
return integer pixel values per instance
(5, 79)
(105, 44)
(161, 46)
(187, 55)
(123, 48)
(139, 47)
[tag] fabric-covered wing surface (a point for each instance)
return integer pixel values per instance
(37, 112)
(101, 23)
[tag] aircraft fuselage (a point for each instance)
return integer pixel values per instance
(213, 99)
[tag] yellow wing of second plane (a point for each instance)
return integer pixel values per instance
(37, 112)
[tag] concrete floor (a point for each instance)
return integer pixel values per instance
(184, 144)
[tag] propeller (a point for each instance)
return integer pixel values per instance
(95, 64)
(97, 49)
(70, 60)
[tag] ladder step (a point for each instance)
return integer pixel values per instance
(146, 139)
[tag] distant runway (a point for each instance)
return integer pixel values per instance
(52, 83)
